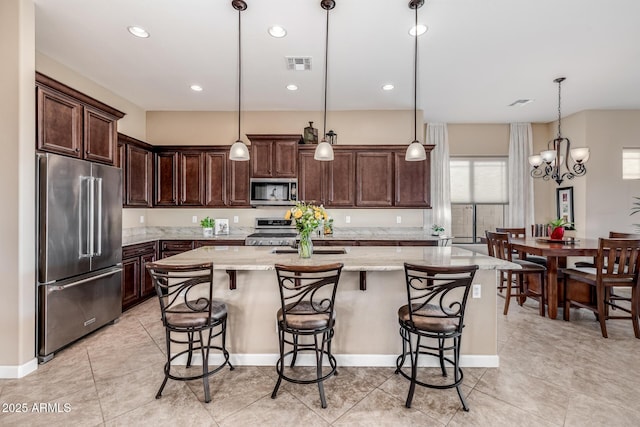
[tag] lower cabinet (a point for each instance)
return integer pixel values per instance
(174, 247)
(136, 282)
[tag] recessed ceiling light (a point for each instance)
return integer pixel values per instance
(421, 30)
(277, 31)
(292, 87)
(138, 32)
(196, 88)
(388, 87)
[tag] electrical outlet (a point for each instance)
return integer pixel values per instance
(347, 219)
(236, 219)
(477, 291)
(194, 219)
(141, 219)
(398, 219)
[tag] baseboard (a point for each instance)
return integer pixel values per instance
(19, 371)
(358, 360)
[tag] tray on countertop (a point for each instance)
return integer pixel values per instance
(569, 241)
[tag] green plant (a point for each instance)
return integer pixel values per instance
(208, 222)
(559, 222)
(437, 228)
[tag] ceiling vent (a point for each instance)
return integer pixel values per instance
(301, 63)
(520, 102)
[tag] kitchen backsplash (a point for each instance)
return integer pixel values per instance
(133, 218)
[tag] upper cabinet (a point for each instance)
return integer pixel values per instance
(412, 181)
(136, 160)
(329, 183)
(374, 178)
(274, 156)
(73, 124)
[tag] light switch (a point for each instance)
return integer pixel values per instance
(194, 219)
(347, 219)
(236, 219)
(477, 291)
(398, 219)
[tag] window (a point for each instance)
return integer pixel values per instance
(631, 163)
(479, 196)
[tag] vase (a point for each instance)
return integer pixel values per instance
(556, 233)
(207, 232)
(305, 247)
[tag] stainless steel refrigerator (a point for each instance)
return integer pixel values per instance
(79, 244)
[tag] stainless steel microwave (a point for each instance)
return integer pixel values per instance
(274, 191)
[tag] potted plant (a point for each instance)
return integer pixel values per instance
(555, 228)
(437, 230)
(207, 226)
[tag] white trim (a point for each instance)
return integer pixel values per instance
(360, 360)
(19, 371)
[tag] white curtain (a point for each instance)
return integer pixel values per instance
(440, 181)
(520, 211)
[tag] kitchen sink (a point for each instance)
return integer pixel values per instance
(319, 251)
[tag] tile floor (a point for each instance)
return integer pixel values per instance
(552, 373)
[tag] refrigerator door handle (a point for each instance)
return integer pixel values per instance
(92, 213)
(98, 228)
(84, 211)
(80, 282)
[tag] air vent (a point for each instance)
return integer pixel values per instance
(301, 63)
(520, 102)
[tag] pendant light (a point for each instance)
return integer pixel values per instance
(324, 151)
(239, 151)
(415, 150)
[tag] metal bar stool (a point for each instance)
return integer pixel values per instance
(188, 309)
(431, 323)
(307, 297)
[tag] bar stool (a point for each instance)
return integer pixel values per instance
(307, 297)
(437, 298)
(188, 308)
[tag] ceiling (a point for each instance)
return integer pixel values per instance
(477, 57)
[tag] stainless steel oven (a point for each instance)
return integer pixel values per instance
(272, 232)
(274, 191)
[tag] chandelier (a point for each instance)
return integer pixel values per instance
(559, 160)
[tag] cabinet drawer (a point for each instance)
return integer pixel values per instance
(201, 243)
(176, 245)
(132, 251)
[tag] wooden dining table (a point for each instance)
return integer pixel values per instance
(556, 253)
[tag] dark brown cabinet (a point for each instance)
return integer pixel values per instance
(73, 124)
(238, 183)
(274, 156)
(329, 183)
(166, 179)
(374, 179)
(215, 186)
(412, 182)
(191, 178)
(136, 282)
(174, 247)
(136, 160)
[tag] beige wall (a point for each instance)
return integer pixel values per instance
(478, 139)
(220, 128)
(17, 109)
(132, 124)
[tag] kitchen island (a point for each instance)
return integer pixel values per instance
(367, 325)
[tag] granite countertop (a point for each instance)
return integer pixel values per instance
(356, 258)
(131, 236)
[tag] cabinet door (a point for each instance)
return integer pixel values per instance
(239, 182)
(285, 159)
(99, 136)
(139, 176)
(191, 179)
(373, 179)
(341, 179)
(412, 182)
(261, 159)
(215, 179)
(130, 281)
(120, 162)
(311, 178)
(59, 123)
(166, 185)
(146, 284)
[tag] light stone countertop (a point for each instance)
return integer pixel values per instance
(357, 258)
(131, 236)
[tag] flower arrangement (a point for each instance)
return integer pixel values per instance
(307, 217)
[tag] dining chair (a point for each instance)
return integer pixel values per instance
(520, 233)
(498, 246)
(539, 230)
(307, 310)
(617, 265)
(191, 317)
(431, 322)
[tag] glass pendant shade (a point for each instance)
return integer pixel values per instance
(580, 155)
(239, 151)
(324, 151)
(548, 155)
(415, 152)
(535, 161)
